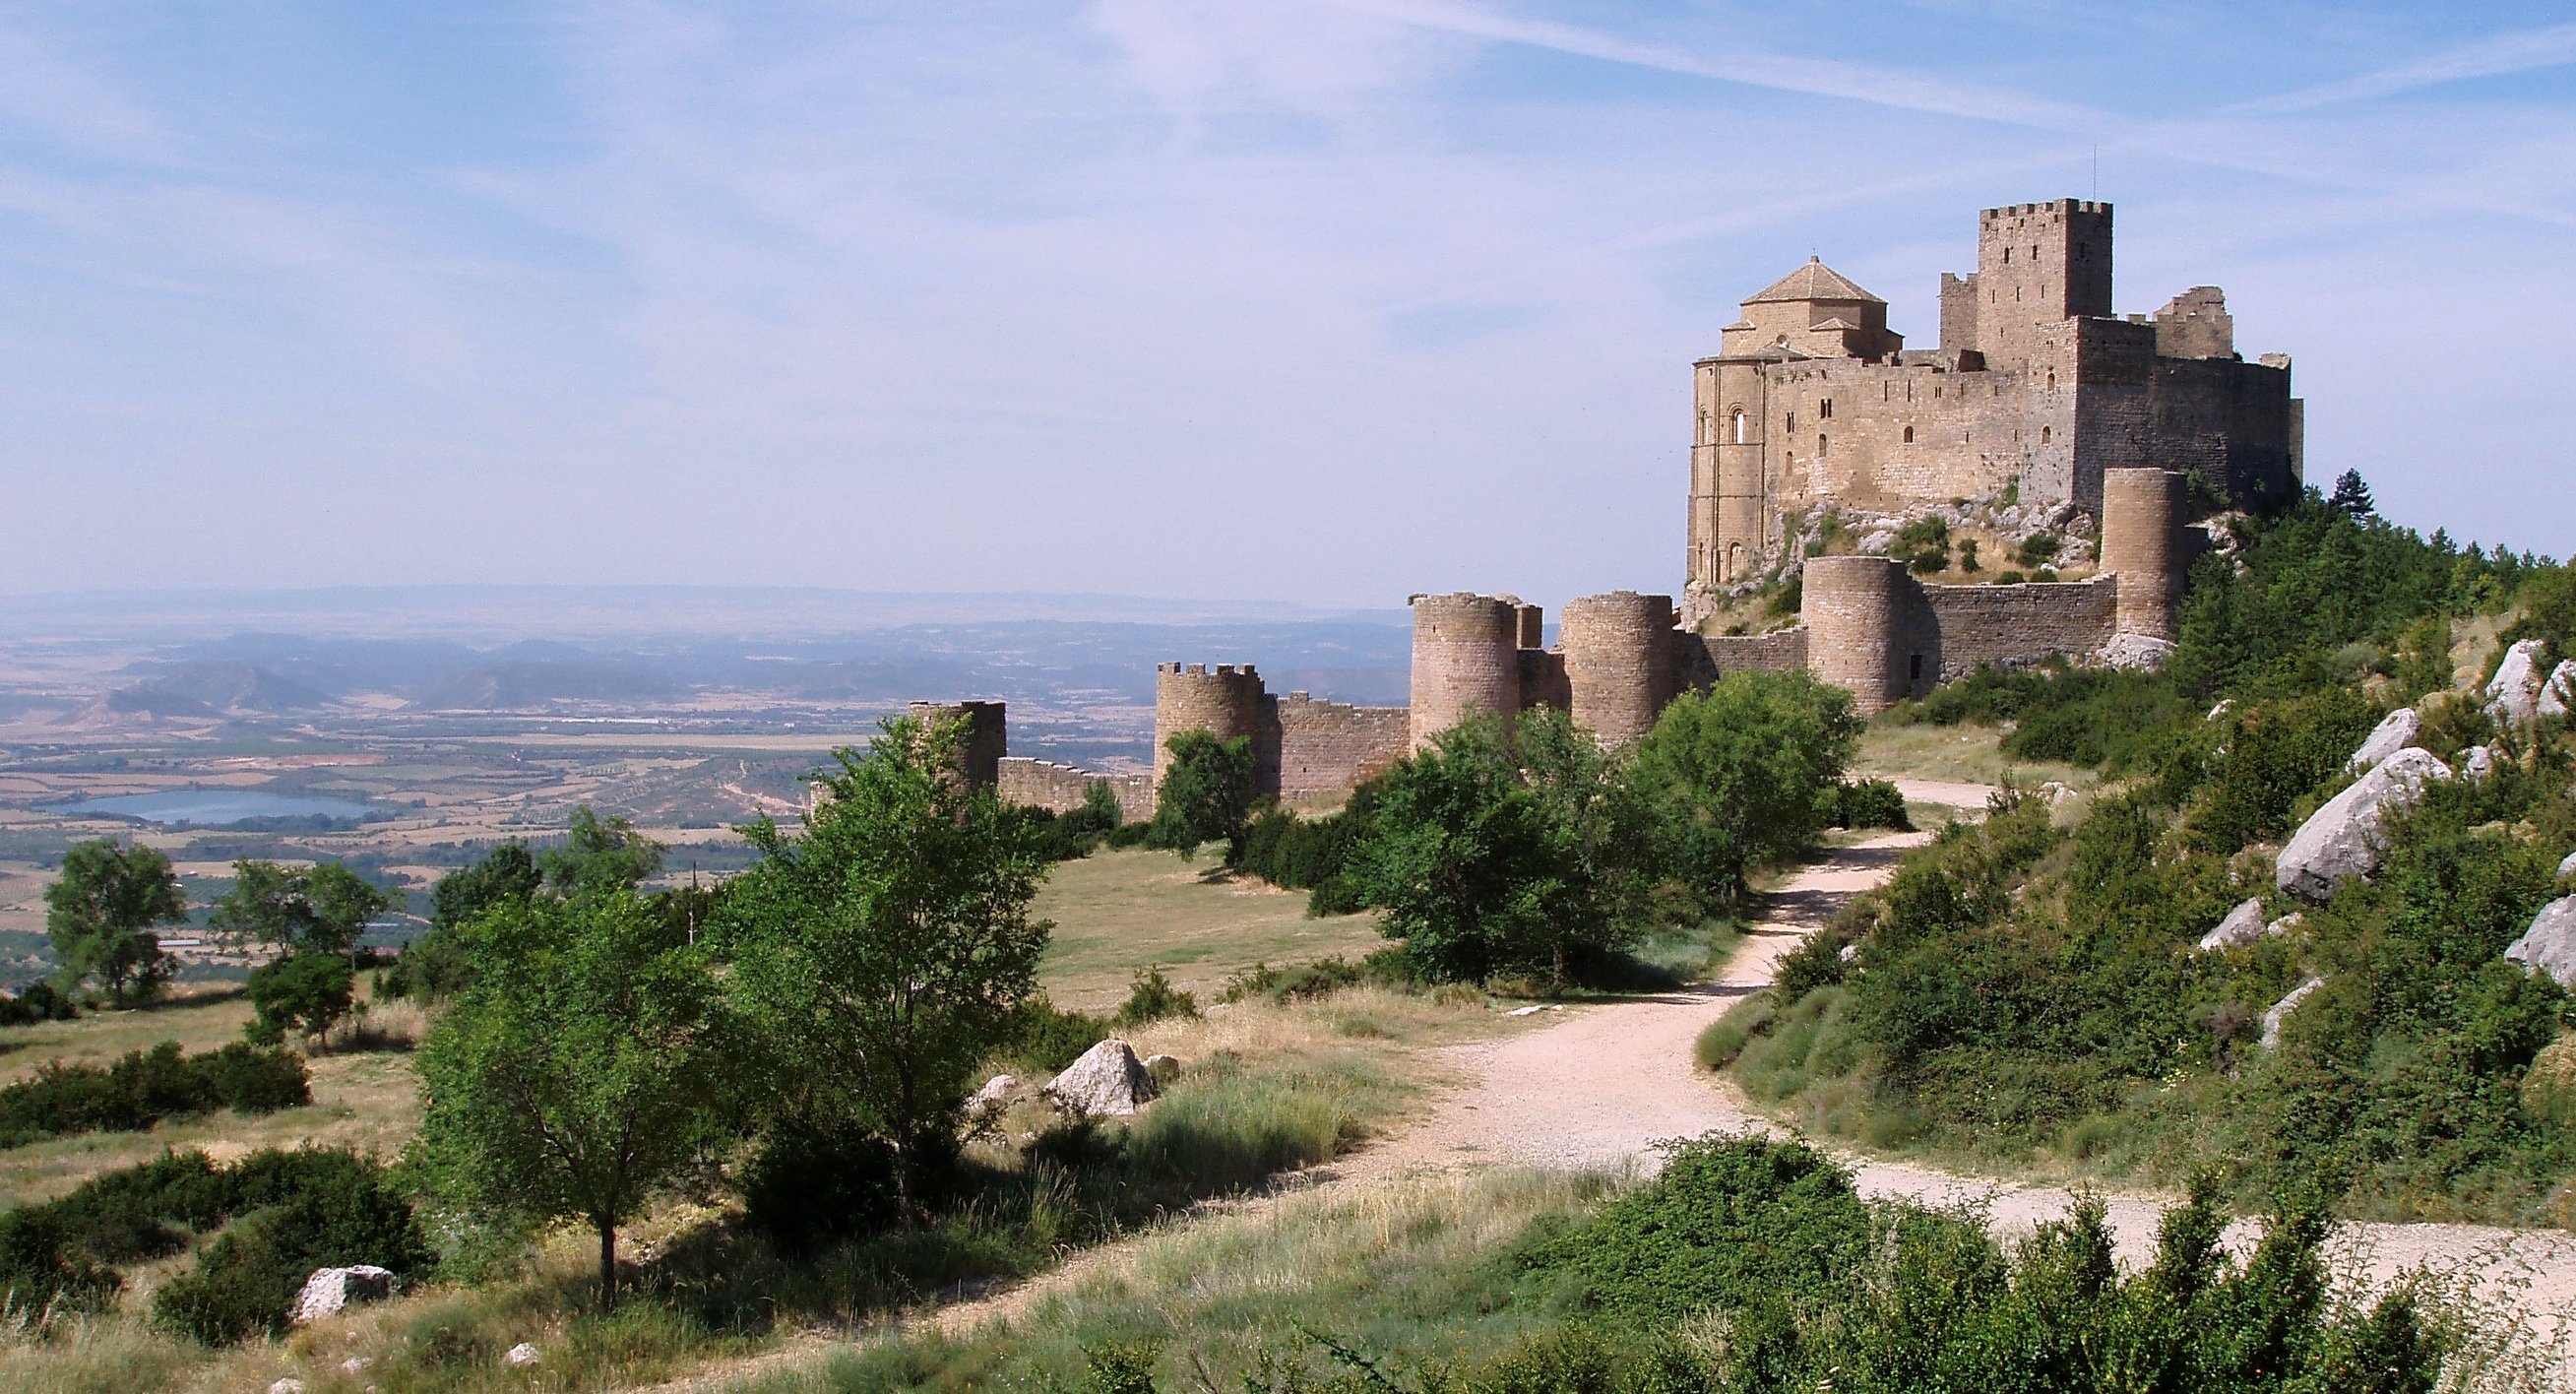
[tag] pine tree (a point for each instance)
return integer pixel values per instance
(2352, 496)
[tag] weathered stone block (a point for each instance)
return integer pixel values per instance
(2341, 840)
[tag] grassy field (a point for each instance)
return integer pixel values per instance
(1116, 911)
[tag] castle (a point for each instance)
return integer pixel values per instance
(1812, 401)
(2035, 385)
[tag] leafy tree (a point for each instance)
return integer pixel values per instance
(581, 1071)
(301, 910)
(100, 911)
(2352, 496)
(506, 873)
(1206, 792)
(304, 993)
(601, 855)
(1744, 773)
(1473, 874)
(887, 950)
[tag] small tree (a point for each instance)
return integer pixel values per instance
(307, 994)
(1206, 793)
(100, 911)
(886, 950)
(601, 855)
(1473, 874)
(506, 873)
(2352, 495)
(1744, 773)
(583, 1070)
(320, 909)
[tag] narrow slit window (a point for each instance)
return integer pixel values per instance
(1909, 435)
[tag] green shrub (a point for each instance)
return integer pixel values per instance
(1047, 1039)
(38, 1001)
(809, 1186)
(1151, 997)
(1871, 803)
(1295, 982)
(304, 994)
(145, 1087)
(43, 1266)
(315, 1208)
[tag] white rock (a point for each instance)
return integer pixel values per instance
(2281, 1011)
(2558, 695)
(1877, 543)
(1849, 952)
(1108, 1081)
(2142, 653)
(2549, 946)
(2479, 762)
(2568, 867)
(330, 1289)
(2341, 840)
(2513, 694)
(522, 1354)
(358, 1364)
(995, 1093)
(289, 1385)
(2394, 733)
(2243, 926)
(2225, 705)
(2284, 924)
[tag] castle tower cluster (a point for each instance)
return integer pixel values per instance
(2037, 386)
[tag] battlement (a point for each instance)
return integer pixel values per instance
(2055, 205)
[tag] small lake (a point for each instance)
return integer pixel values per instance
(215, 806)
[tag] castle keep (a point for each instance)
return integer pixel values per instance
(1812, 401)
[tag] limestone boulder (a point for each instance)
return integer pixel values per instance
(2341, 840)
(1877, 543)
(1108, 1081)
(2281, 1011)
(331, 1289)
(2395, 731)
(2479, 762)
(2137, 653)
(521, 1356)
(2567, 868)
(2243, 926)
(995, 1093)
(2513, 694)
(2549, 946)
(2558, 695)
(1163, 1068)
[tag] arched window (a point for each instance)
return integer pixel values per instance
(1789, 422)
(2043, 435)
(2052, 379)
(1703, 425)
(1823, 447)
(1909, 435)
(1739, 426)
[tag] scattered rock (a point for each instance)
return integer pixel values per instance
(2225, 705)
(2513, 694)
(1108, 1081)
(521, 1355)
(1534, 1009)
(2394, 733)
(2284, 924)
(2243, 926)
(1163, 1068)
(330, 1289)
(289, 1385)
(2055, 793)
(2281, 1011)
(2558, 695)
(357, 1364)
(2141, 653)
(2549, 946)
(1877, 543)
(1849, 952)
(2341, 840)
(995, 1093)
(2479, 762)
(2568, 867)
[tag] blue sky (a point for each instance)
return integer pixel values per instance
(1315, 301)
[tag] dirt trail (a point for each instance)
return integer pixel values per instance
(1602, 1087)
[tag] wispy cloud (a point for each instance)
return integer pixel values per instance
(2501, 55)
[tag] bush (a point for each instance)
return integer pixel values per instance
(810, 1186)
(1308, 854)
(1045, 1038)
(318, 1208)
(1871, 803)
(34, 1003)
(1301, 981)
(146, 1087)
(306, 994)
(1151, 997)
(43, 1267)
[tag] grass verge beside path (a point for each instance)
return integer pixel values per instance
(1120, 909)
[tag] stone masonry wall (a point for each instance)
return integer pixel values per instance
(1705, 658)
(1326, 748)
(1062, 788)
(2013, 625)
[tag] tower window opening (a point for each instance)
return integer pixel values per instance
(2007, 256)
(1909, 435)
(1703, 424)
(1739, 426)
(1823, 447)
(1914, 669)
(2043, 435)
(1825, 409)
(1790, 422)
(2052, 381)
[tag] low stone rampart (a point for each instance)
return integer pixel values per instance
(2016, 625)
(1062, 788)
(1327, 749)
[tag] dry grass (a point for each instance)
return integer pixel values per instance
(1964, 754)
(1116, 911)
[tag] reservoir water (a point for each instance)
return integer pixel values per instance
(217, 806)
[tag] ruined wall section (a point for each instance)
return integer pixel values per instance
(1062, 788)
(1701, 659)
(1327, 748)
(980, 747)
(1227, 701)
(2010, 626)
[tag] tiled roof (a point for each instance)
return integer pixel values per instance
(1814, 281)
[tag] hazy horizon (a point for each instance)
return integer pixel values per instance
(1312, 303)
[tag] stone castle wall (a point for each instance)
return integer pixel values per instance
(1327, 749)
(1062, 788)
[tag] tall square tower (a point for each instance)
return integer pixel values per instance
(2039, 264)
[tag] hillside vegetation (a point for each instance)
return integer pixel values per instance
(2030, 992)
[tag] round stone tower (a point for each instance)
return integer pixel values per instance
(1466, 659)
(1224, 701)
(1855, 611)
(982, 743)
(2141, 536)
(1619, 662)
